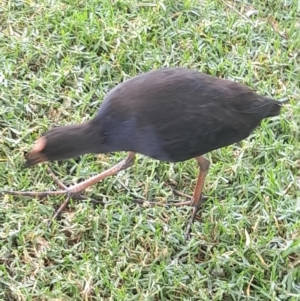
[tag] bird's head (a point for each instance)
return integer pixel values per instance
(36, 155)
(57, 144)
(64, 142)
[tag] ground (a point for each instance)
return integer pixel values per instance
(58, 60)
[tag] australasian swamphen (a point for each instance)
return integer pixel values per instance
(171, 115)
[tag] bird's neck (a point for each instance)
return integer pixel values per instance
(83, 138)
(90, 137)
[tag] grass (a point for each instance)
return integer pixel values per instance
(58, 60)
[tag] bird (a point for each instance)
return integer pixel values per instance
(168, 114)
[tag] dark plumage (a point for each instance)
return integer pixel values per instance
(170, 115)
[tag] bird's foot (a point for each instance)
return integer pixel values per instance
(189, 224)
(64, 190)
(195, 209)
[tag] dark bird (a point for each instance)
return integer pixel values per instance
(171, 115)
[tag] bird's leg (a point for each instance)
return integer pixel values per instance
(76, 189)
(196, 200)
(61, 185)
(124, 164)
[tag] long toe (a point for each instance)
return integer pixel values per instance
(190, 222)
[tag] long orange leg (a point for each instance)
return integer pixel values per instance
(76, 189)
(196, 200)
(73, 191)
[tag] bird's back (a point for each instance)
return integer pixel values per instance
(176, 114)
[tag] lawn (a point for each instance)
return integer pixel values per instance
(58, 60)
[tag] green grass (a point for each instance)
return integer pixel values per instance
(58, 60)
